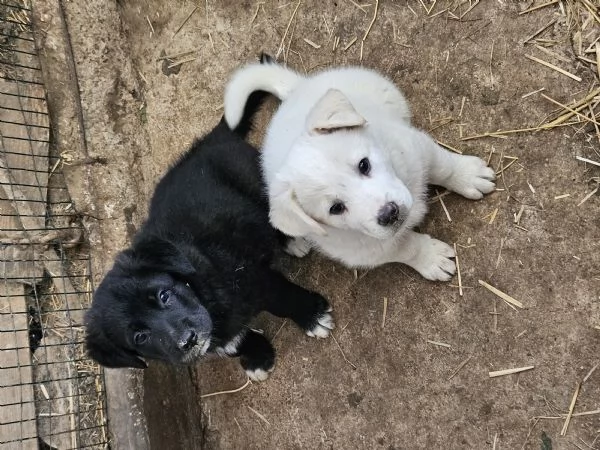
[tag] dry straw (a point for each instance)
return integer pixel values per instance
(259, 415)
(507, 298)
(500, 373)
(439, 344)
(571, 408)
(459, 367)
(231, 391)
(460, 286)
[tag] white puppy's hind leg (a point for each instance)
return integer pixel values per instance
(466, 175)
(428, 256)
(297, 247)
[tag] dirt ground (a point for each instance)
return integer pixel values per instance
(379, 385)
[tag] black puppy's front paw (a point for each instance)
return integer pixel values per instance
(257, 356)
(319, 320)
(309, 310)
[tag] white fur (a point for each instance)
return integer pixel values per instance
(298, 247)
(272, 78)
(231, 347)
(258, 374)
(197, 351)
(325, 125)
(323, 327)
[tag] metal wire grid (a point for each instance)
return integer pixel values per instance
(51, 395)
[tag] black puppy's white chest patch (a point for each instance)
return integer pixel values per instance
(231, 347)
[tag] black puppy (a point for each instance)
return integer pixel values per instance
(200, 268)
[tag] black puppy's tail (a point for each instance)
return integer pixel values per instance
(254, 102)
(263, 76)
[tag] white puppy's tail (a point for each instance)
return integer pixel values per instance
(265, 76)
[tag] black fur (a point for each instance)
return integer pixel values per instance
(265, 58)
(200, 267)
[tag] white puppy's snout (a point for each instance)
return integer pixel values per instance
(388, 214)
(396, 208)
(392, 213)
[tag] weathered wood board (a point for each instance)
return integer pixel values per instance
(17, 406)
(21, 190)
(39, 392)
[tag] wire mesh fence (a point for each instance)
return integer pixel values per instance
(51, 395)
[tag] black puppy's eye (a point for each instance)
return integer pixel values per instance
(337, 208)
(165, 297)
(364, 166)
(140, 337)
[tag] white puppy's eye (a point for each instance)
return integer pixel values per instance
(337, 208)
(364, 166)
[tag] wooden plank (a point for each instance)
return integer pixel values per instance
(60, 377)
(24, 147)
(17, 413)
(23, 195)
(16, 306)
(18, 263)
(24, 168)
(57, 414)
(24, 171)
(17, 429)
(29, 444)
(71, 306)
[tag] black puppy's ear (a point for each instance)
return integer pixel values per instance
(157, 254)
(103, 350)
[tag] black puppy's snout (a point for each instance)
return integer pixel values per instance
(388, 214)
(189, 339)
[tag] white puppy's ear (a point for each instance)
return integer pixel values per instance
(287, 215)
(333, 112)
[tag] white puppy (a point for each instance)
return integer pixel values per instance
(347, 173)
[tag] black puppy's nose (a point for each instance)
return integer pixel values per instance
(189, 339)
(388, 214)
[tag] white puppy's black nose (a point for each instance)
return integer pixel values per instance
(188, 340)
(388, 214)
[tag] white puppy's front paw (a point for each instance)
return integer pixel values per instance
(472, 178)
(297, 247)
(434, 260)
(323, 326)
